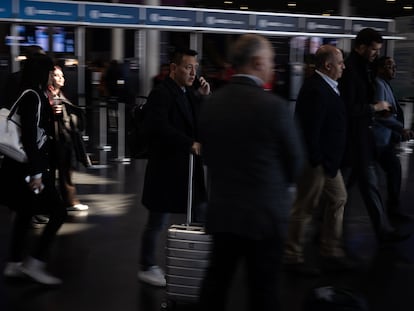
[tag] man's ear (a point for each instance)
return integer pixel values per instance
(257, 63)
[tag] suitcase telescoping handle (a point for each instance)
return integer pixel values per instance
(190, 188)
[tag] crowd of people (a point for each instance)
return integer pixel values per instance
(347, 123)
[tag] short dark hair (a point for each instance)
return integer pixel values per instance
(367, 36)
(382, 60)
(177, 55)
(35, 72)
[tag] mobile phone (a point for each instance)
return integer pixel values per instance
(196, 83)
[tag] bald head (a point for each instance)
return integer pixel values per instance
(329, 60)
(253, 54)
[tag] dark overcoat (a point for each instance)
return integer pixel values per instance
(357, 90)
(253, 151)
(170, 125)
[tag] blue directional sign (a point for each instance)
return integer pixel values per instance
(48, 10)
(6, 9)
(225, 20)
(324, 25)
(277, 23)
(170, 17)
(380, 26)
(111, 14)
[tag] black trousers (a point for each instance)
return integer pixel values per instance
(262, 261)
(367, 179)
(16, 194)
(391, 165)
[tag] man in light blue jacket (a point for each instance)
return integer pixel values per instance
(389, 131)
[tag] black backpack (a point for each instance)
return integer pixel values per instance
(136, 140)
(330, 298)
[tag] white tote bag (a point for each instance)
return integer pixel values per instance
(10, 131)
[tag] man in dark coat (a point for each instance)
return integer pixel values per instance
(171, 127)
(357, 89)
(253, 152)
(320, 112)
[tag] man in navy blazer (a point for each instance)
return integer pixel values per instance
(253, 152)
(320, 112)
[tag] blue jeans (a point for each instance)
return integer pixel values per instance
(156, 222)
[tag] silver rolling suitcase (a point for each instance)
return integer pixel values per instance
(188, 248)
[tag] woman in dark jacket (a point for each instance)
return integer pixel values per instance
(29, 188)
(69, 124)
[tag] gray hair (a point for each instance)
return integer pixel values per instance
(246, 47)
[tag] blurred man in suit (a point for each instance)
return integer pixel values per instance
(253, 151)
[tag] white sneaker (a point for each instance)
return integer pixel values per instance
(36, 270)
(13, 270)
(154, 276)
(78, 207)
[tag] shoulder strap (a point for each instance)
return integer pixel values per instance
(13, 108)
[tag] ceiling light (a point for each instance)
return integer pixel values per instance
(291, 4)
(228, 2)
(390, 0)
(408, 7)
(244, 7)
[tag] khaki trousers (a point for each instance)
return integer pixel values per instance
(313, 186)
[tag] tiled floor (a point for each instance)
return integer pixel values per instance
(96, 254)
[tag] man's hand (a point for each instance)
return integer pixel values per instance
(382, 105)
(204, 88)
(196, 148)
(407, 134)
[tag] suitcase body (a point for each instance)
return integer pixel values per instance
(188, 248)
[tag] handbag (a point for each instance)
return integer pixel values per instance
(10, 131)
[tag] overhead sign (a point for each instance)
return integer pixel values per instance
(111, 14)
(325, 25)
(161, 17)
(6, 9)
(225, 20)
(170, 17)
(48, 10)
(276, 23)
(379, 26)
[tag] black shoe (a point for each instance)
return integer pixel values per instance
(394, 237)
(302, 268)
(337, 264)
(401, 218)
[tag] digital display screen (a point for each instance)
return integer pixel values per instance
(62, 38)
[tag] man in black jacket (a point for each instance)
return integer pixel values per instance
(357, 89)
(320, 112)
(171, 127)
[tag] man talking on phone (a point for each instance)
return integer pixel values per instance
(171, 129)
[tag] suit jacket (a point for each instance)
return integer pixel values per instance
(170, 125)
(253, 151)
(357, 90)
(321, 115)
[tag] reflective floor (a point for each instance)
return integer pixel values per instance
(96, 254)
